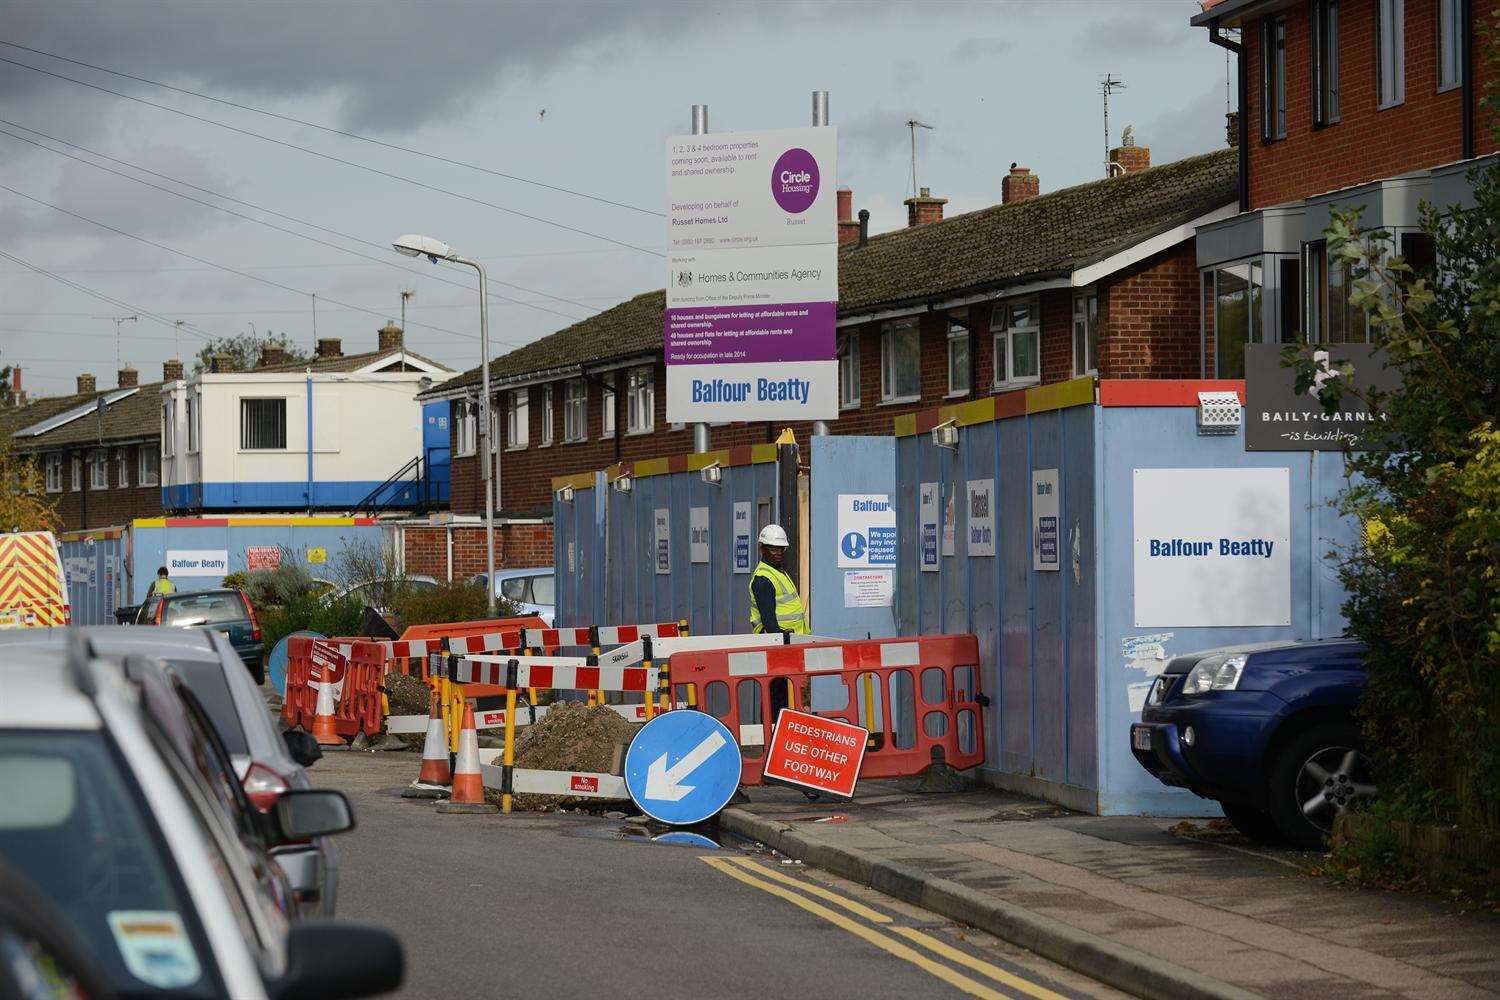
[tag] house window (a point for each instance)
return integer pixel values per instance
(849, 371)
(958, 359)
(901, 361)
(640, 400)
(1273, 79)
(150, 466)
(465, 416)
(77, 473)
(192, 423)
(1333, 318)
(168, 428)
(1237, 315)
(1450, 37)
(54, 473)
(1391, 51)
(122, 466)
(1017, 333)
(263, 424)
(607, 403)
(518, 418)
(98, 469)
(1325, 61)
(1085, 333)
(575, 410)
(547, 421)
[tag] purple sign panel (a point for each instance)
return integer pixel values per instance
(792, 331)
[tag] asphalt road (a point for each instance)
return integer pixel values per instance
(566, 905)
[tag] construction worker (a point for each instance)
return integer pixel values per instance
(162, 585)
(775, 605)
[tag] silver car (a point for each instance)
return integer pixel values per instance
(262, 756)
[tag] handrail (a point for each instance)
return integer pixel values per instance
(372, 504)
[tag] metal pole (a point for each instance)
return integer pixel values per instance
(487, 445)
(820, 120)
(700, 127)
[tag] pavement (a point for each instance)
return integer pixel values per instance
(574, 905)
(1137, 906)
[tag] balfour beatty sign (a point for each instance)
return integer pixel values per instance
(810, 751)
(752, 282)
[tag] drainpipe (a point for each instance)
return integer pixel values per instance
(1216, 36)
(1466, 73)
(309, 444)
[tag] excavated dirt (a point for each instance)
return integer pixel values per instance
(572, 737)
(408, 696)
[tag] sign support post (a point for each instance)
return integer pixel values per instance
(700, 127)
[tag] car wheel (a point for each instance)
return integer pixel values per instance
(1253, 822)
(1315, 777)
(258, 673)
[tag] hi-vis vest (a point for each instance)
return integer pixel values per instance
(789, 613)
(163, 586)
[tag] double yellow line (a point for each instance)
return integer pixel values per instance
(805, 895)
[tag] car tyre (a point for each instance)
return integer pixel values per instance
(258, 673)
(1252, 821)
(1316, 775)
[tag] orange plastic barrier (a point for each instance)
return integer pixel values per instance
(416, 665)
(354, 668)
(918, 697)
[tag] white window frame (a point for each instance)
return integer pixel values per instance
(549, 421)
(849, 372)
(1090, 343)
(98, 469)
(608, 406)
(960, 334)
(1390, 53)
(465, 417)
(169, 427)
(286, 431)
(77, 473)
(575, 410)
(517, 419)
(53, 471)
(640, 400)
(1450, 45)
(122, 466)
(1004, 331)
(889, 393)
(148, 467)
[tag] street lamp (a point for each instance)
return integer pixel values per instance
(413, 245)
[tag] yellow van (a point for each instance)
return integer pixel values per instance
(33, 589)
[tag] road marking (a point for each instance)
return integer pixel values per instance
(982, 967)
(858, 909)
(874, 937)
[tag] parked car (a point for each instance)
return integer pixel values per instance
(532, 591)
(40, 956)
(1268, 731)
(129, 844)
(383, 594)
(267, 763)
(33, 587)
(223, 609)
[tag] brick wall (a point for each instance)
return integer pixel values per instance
(117, 504)
(517, 546)
(1148, 319)
(1366, 143)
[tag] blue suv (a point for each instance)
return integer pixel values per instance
(1267, 730)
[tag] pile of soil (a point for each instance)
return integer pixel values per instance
(408, 696)
(572, 737)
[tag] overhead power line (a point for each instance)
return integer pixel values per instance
(335, 131)
(337, 159)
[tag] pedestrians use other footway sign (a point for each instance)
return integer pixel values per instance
(810, 751)
(682, 767)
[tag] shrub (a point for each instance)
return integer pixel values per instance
(448, 602)
(306, 612)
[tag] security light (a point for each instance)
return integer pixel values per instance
(712, 474)
(565, 494)
(622, 485)
(413, 245)
(945, 435)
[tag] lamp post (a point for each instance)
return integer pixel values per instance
(436, 250)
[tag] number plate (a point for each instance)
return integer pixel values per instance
(1140, 737)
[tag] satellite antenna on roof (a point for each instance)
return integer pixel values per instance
(1108, 86)
(912, 124)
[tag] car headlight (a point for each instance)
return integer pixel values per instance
(1215, 673)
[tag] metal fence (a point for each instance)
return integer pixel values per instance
(97, 569)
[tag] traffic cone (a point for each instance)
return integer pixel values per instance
(324, 729)
(468, 785)
(434, 776)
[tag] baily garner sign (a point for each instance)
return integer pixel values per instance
(752, 276)
(1277, 418)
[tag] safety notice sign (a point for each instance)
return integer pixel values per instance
(810, 751)
(742, 561)
(867, 530)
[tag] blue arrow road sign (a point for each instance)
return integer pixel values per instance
(682, 767)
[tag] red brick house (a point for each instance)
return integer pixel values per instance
(1099, 278)
(1371, 104)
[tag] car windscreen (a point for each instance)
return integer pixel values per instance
(73, 821)
(204, 609)
(207, 681)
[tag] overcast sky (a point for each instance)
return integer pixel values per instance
(1000, 81)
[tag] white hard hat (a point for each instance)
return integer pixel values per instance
(772, 534)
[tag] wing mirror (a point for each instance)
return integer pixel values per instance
(337, 960)
(305, 814)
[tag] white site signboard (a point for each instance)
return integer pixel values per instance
(743, 552)
(197, 562)
(663, 539)
(1045, 540)
(1212, 547)
(698, 534)
(752, 276)
(867, 531)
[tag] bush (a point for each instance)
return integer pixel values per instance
(308, 613)
(448, 602)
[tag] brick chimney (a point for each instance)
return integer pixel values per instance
(129, 378)
(85, 384)
(848, 227)
(1019, 185)
(171, 370)
(924, 208)
(330, 347)
(1232, 128)
(1130, 157)
(222, 363)
(272, 353)
(391, 336)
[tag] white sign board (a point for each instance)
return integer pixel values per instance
(1212, 547)
(981, 520)
(927, 527)
(867, 531)
(869, 588)
(743, 520)
(698, 534)
(663, 551)
(1045, 506)
(752, 276)
(197, 562)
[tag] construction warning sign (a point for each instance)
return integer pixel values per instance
(810, 751)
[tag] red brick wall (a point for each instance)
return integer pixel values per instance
(116, 505)
(1148, 319)
(517, 546)
(1366, 143)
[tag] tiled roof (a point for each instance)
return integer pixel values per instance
(1055, 233)
(343, 363)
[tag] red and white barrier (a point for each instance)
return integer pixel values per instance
(567, 673)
